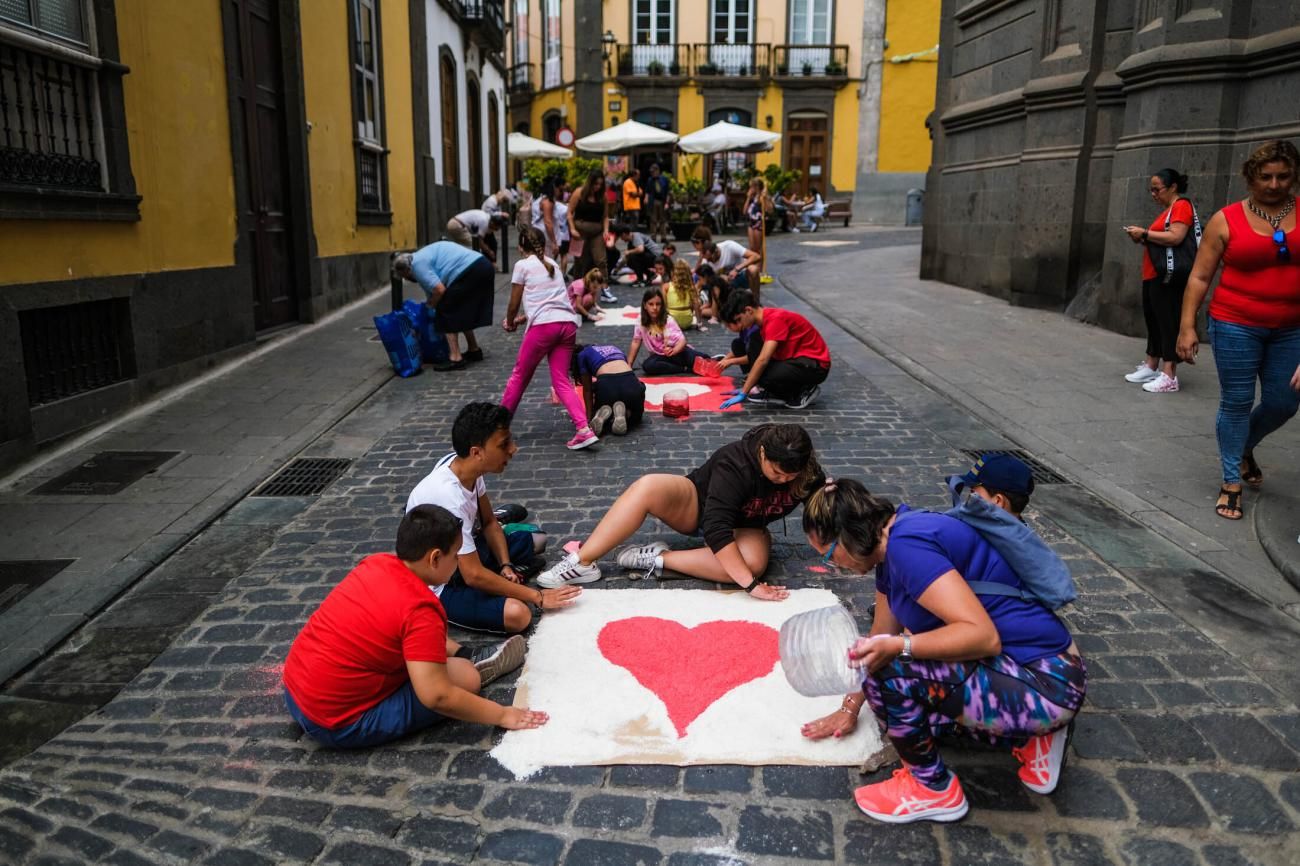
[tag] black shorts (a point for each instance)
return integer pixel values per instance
(624, 388)
(564, 246)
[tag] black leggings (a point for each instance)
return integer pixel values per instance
(1162, 307)
(623, 388)
(672, 365)
(786, 380)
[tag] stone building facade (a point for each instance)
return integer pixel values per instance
(1051, 117)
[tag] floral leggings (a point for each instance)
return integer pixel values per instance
(996, 700)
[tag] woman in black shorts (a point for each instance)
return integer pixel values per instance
(612, 392)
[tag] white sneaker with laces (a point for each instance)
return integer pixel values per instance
(1142, 373)
(568, 571)
(1162, 384)
(642, 558)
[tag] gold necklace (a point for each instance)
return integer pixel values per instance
(1274, 221)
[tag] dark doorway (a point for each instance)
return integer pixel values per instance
(475, 142)
(806, 151)
(258, 83)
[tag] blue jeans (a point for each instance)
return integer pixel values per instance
(1242, 354)
(395, 716)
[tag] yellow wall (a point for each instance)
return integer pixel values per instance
(178, 127)
(844, 149)
(907, 89)
(327, 73)
(770, 101)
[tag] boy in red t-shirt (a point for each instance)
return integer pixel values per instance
(783, 356)
(374, 662)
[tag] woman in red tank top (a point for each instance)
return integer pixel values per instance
(1254, 316)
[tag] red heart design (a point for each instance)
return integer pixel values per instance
(690, 668)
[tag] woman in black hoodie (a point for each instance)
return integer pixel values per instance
(729, 500)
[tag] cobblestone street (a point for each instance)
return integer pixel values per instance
(1184, 754)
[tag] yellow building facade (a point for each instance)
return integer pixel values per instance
(189, 177)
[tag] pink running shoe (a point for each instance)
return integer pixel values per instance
(583, 439)
(901, 799)
(1041, 760)
(1162, 384)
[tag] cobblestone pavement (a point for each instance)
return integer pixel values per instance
(1183, 755)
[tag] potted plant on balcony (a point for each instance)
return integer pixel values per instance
(834, 68)
(783, 68)
(708, 68)
(655, 68)
(807, 69)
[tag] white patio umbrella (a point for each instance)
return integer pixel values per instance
(722, 137)
(520, 146)
(625, 136)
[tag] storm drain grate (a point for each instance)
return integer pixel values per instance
(1042, 474)
(304, 476)
(18, 578)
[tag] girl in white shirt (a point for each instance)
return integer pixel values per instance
(552, 332)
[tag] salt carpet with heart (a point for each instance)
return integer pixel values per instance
(671, 677)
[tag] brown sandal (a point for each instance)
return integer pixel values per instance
(1250, 471)
(1230, 510)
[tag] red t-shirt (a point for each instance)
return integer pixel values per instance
(352, 653)
(795, 336)
(1182, 214)
(1256, 287)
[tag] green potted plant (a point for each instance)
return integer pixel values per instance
(674, 68)
(655, 68)
(707, 69)
(835, 68)
(684, 214)
(807, 69)
(743, 70)
(783, 69)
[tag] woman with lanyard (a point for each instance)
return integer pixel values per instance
(1164, 278)
(941, 659)
(1254, 317)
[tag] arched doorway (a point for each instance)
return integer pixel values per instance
(447, 108)
(475, 141)
(551, 123)
(807, 148)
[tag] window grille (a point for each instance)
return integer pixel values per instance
(72, 349)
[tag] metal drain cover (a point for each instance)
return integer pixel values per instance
(1041, 473)
(105, 474)
(304, 476)
(19, 577)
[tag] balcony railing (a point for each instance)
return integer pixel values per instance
(733, 60)
(665, 58)
(812, 61)
(48, 121)
(487, 20)
(519, 78)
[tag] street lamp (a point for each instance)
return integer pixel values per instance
(607, 43)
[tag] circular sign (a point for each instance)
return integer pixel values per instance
(564, 137)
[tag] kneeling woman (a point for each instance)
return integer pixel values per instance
(730, 500)
(614, 396)
(940, 659)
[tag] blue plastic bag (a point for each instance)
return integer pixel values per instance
(399, 340)
(433, 345)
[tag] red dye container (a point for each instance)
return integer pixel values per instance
(677, 404)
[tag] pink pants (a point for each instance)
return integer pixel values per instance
(553, 341)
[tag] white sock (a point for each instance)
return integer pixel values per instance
(659, 561)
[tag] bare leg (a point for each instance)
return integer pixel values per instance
(471, 342)
(754, 544)
(671, 498)
(464, 674)
(453, 345)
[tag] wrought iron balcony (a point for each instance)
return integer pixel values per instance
(486, 20)
(654, 60)
(811, 61)
(48, 117)
(725, 59)
(519, 78)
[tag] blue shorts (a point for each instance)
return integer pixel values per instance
(473, 608)
(397, 715)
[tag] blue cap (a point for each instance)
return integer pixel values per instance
(1000, 472)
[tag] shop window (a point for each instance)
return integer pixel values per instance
(368, 113)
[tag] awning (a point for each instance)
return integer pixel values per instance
(722, 137)
(520, 146)
(627, 135)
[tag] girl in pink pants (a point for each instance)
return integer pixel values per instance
(552, 332)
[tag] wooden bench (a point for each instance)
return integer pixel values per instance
(841, 209)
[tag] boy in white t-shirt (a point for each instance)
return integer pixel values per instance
(487, 592)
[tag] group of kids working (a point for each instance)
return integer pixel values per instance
(374, 661)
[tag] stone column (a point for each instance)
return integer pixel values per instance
(588, 68)
(865, 203)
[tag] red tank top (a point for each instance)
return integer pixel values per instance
(1256, 288)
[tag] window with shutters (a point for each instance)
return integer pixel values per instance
(552, 66)
(368, 113)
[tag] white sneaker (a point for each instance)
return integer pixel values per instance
(1162, 384)
(568, 571)
(1143, 373)
(642, 558)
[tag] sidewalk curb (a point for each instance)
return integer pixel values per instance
(1279, 541)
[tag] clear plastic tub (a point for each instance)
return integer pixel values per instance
(677, 404)
(815, 652)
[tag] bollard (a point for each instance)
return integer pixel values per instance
(504, 250)
(915, 207)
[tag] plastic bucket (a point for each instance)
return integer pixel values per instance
(815, 652)
(677, 404)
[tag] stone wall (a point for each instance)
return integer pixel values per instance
(1051, 117)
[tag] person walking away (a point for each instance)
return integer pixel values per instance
(632, 197)
(667, 351)
(1254, 318)
(784, 358)
(590, 221)
(552, 333)
(1169, 248)
(459, 284)
(656, 200)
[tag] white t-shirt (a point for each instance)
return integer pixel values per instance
(442, 487)
(546, 299)
(730, 254)
(474, 220)
(561, 222)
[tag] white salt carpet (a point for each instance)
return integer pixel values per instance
(671, 677)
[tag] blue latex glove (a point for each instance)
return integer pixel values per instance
(732, 401)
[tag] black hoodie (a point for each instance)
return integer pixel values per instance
(733, 492)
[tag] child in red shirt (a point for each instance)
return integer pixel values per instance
(782, 355)
(374, 662)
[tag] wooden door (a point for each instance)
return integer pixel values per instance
(806, 150)
(259, 83)
(475, 144)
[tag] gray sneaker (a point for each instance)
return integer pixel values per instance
(619, 427)
(494, 662)
(806, 398)
(600, 419)
(568, 571)
(642, 558)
